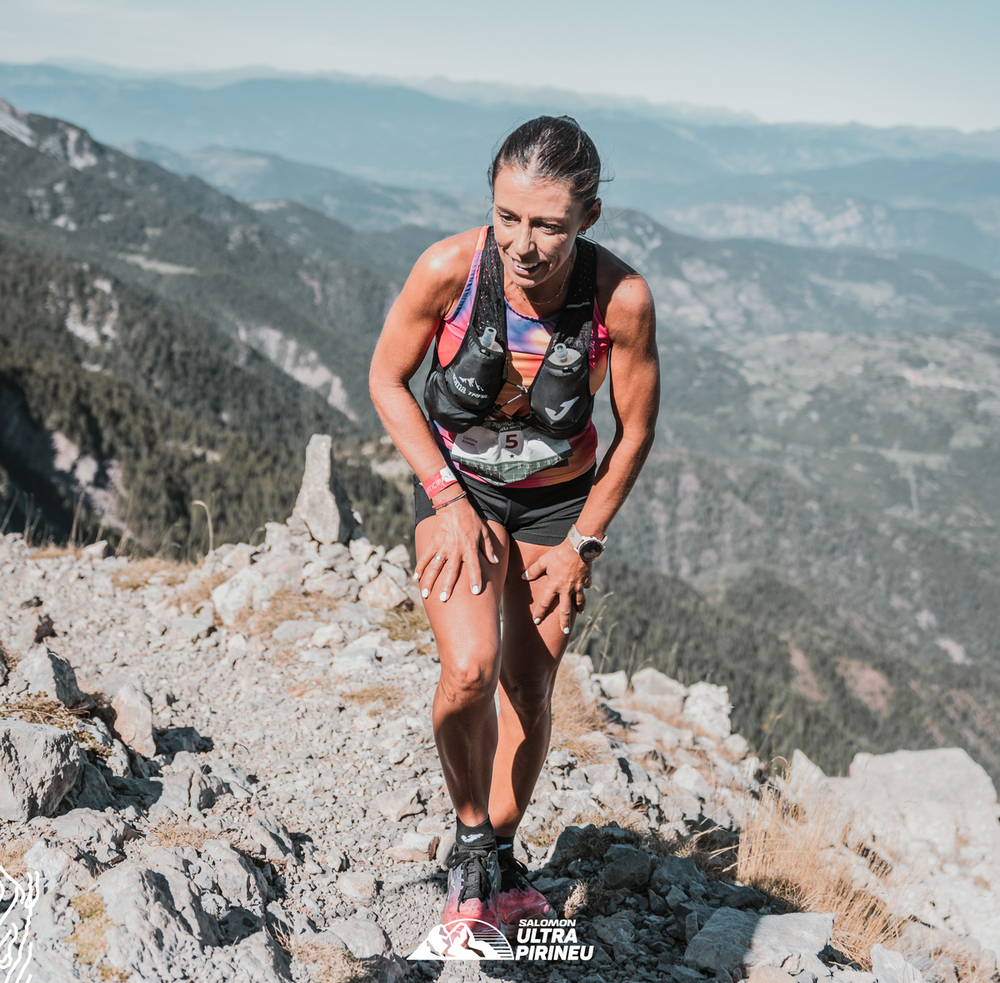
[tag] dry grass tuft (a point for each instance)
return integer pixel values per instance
(202, 591)
(12, 856)
(809, 861)
(630, 820)
(377, 696)
(42, 710)
(577, 900)
(406, 623)
(52, 551)
(575, 719)
(139, 573)
(286, 605)
(328, 963)
(182, 834)
(88, 941)
(306, 687)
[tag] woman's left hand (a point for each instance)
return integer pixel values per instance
(566, 576)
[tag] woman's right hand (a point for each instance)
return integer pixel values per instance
(459, 536)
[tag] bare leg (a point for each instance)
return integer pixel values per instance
(530, 658)
(467, 630)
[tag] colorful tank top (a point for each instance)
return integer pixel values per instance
(527, 340)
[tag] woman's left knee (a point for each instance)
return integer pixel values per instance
(530, 695)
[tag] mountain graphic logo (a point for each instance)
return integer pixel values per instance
(471, 382)
(471, 939)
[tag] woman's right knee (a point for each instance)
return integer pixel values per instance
(469, 681)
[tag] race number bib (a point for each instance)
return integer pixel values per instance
(502, 451)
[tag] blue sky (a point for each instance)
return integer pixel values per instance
(883, 62)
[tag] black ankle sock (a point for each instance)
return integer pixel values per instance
(479, 837)
(505, 842)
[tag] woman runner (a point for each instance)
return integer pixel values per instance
(511, 506)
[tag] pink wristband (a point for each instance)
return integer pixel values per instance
(437, 483)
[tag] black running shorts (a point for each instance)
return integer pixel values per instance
(530, 515)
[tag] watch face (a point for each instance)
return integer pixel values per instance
(590, 550)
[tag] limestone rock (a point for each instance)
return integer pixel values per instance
(613, 684)
(707, 707)
(382, 592)
(134, 719)
(237, 880)
(655, 692)
(289, 632)
(330, 584)
(275, 840)
(395, 806)
(688, 777)
(49, 675)
(316, 505)
(399, 556)
(158, 922)
(676, 871)
(357, 885)
(38, 766)
(236, 595)
(626, 867)
(414, 847)
(891, 967)
(731, 939)
(364, 939)
(933, 816)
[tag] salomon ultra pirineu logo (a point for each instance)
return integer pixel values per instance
(536, 939)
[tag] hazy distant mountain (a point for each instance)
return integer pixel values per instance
(140, 329)
(949, 207)
(713, 292)
(365, 205)
(66, 193)
(401, 137)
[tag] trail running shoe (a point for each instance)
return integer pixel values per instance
(473, 883)
(518, 899)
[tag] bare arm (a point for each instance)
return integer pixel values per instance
(634, 378)
(427, 296)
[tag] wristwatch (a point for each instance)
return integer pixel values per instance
(588, 548)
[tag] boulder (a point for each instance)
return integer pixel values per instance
(676, 871)
(891, 967)
(316, 505)
(38, 766)
(657, 693)
(733, 939)
(235, 595)
(274, 839)
(613, 684)
(707, 706)
(364, 939)
(382, 592)
(236, 879)
(134, 719)
(48, 675)
(626, 867)
(158, 925)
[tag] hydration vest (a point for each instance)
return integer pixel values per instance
(463, 393)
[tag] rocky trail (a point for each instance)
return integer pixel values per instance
(227, 774)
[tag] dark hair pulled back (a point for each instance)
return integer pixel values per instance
(555, 148)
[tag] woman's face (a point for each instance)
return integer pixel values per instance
(536, 222)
